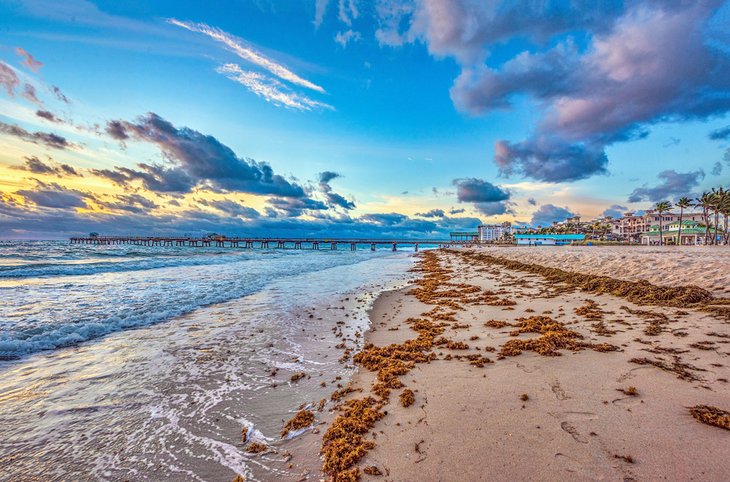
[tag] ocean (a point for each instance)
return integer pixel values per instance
(145, 363)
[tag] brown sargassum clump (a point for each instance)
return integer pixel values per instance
(684, 371)
(344, 442)
(407, 397)
(711, 416)
(590, 310)
(639, 292)
(303, 418)
(256, 448)
(554, 336)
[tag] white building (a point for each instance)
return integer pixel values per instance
(494, 232)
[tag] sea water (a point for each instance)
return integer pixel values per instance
(146, 363)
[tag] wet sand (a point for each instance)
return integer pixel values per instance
(611, 403)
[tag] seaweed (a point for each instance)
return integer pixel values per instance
(711, 416)
(639, 292)
(407, 397)
(555, 336)
(302, 419)
(256, 448)
(679, 368)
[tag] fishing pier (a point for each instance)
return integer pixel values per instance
(264, 243)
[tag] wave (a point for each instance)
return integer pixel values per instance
(36, 270)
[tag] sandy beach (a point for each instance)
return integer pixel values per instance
(484, 372)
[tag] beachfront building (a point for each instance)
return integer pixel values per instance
(548, 239)
(632, 226)
(693, 233)
(489, 233)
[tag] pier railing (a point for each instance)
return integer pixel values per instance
(264, 242)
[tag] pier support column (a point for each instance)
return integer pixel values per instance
(353, 246)
(372, 246)
(334, 246)
(416, 247)
(264, 244)
(395, 247)
(315, 245)
(281, 245)
(297, 245)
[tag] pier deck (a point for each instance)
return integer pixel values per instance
(264, 242)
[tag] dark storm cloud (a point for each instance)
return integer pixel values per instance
(45, 138)
(716, 169)
(547, 213)
(673, 185)
(199, 161)
(457, 211)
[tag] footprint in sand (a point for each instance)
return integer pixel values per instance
(558, 391)
(566, 426)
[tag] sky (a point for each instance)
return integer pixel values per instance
(351, 118)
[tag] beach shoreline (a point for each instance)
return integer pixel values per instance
(614, 403)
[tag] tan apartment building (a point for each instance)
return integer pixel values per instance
(631, 226)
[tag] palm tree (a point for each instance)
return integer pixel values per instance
(682, 204)
(705, 202)
(661, 208)
(718, 197)
(723, 207)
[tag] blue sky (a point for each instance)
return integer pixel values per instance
(487, 111)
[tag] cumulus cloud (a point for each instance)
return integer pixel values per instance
(547, 213)
(28, 60)
(332, 198)
(486, 197)
(54, 196)
(232, 208)
(433, 213)
(269, 88)
(615, 211)
(36, 166)
(722, 134)
(243, 50)
(644, 62)
(195, 160)
(532, 201)
(672, 186)
(293, 207)
(48, 139)
(456, 211)
(716, 169)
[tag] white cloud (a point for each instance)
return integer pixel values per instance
(343, 38)
(238, 47)
(320, 8)
(269, 88)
